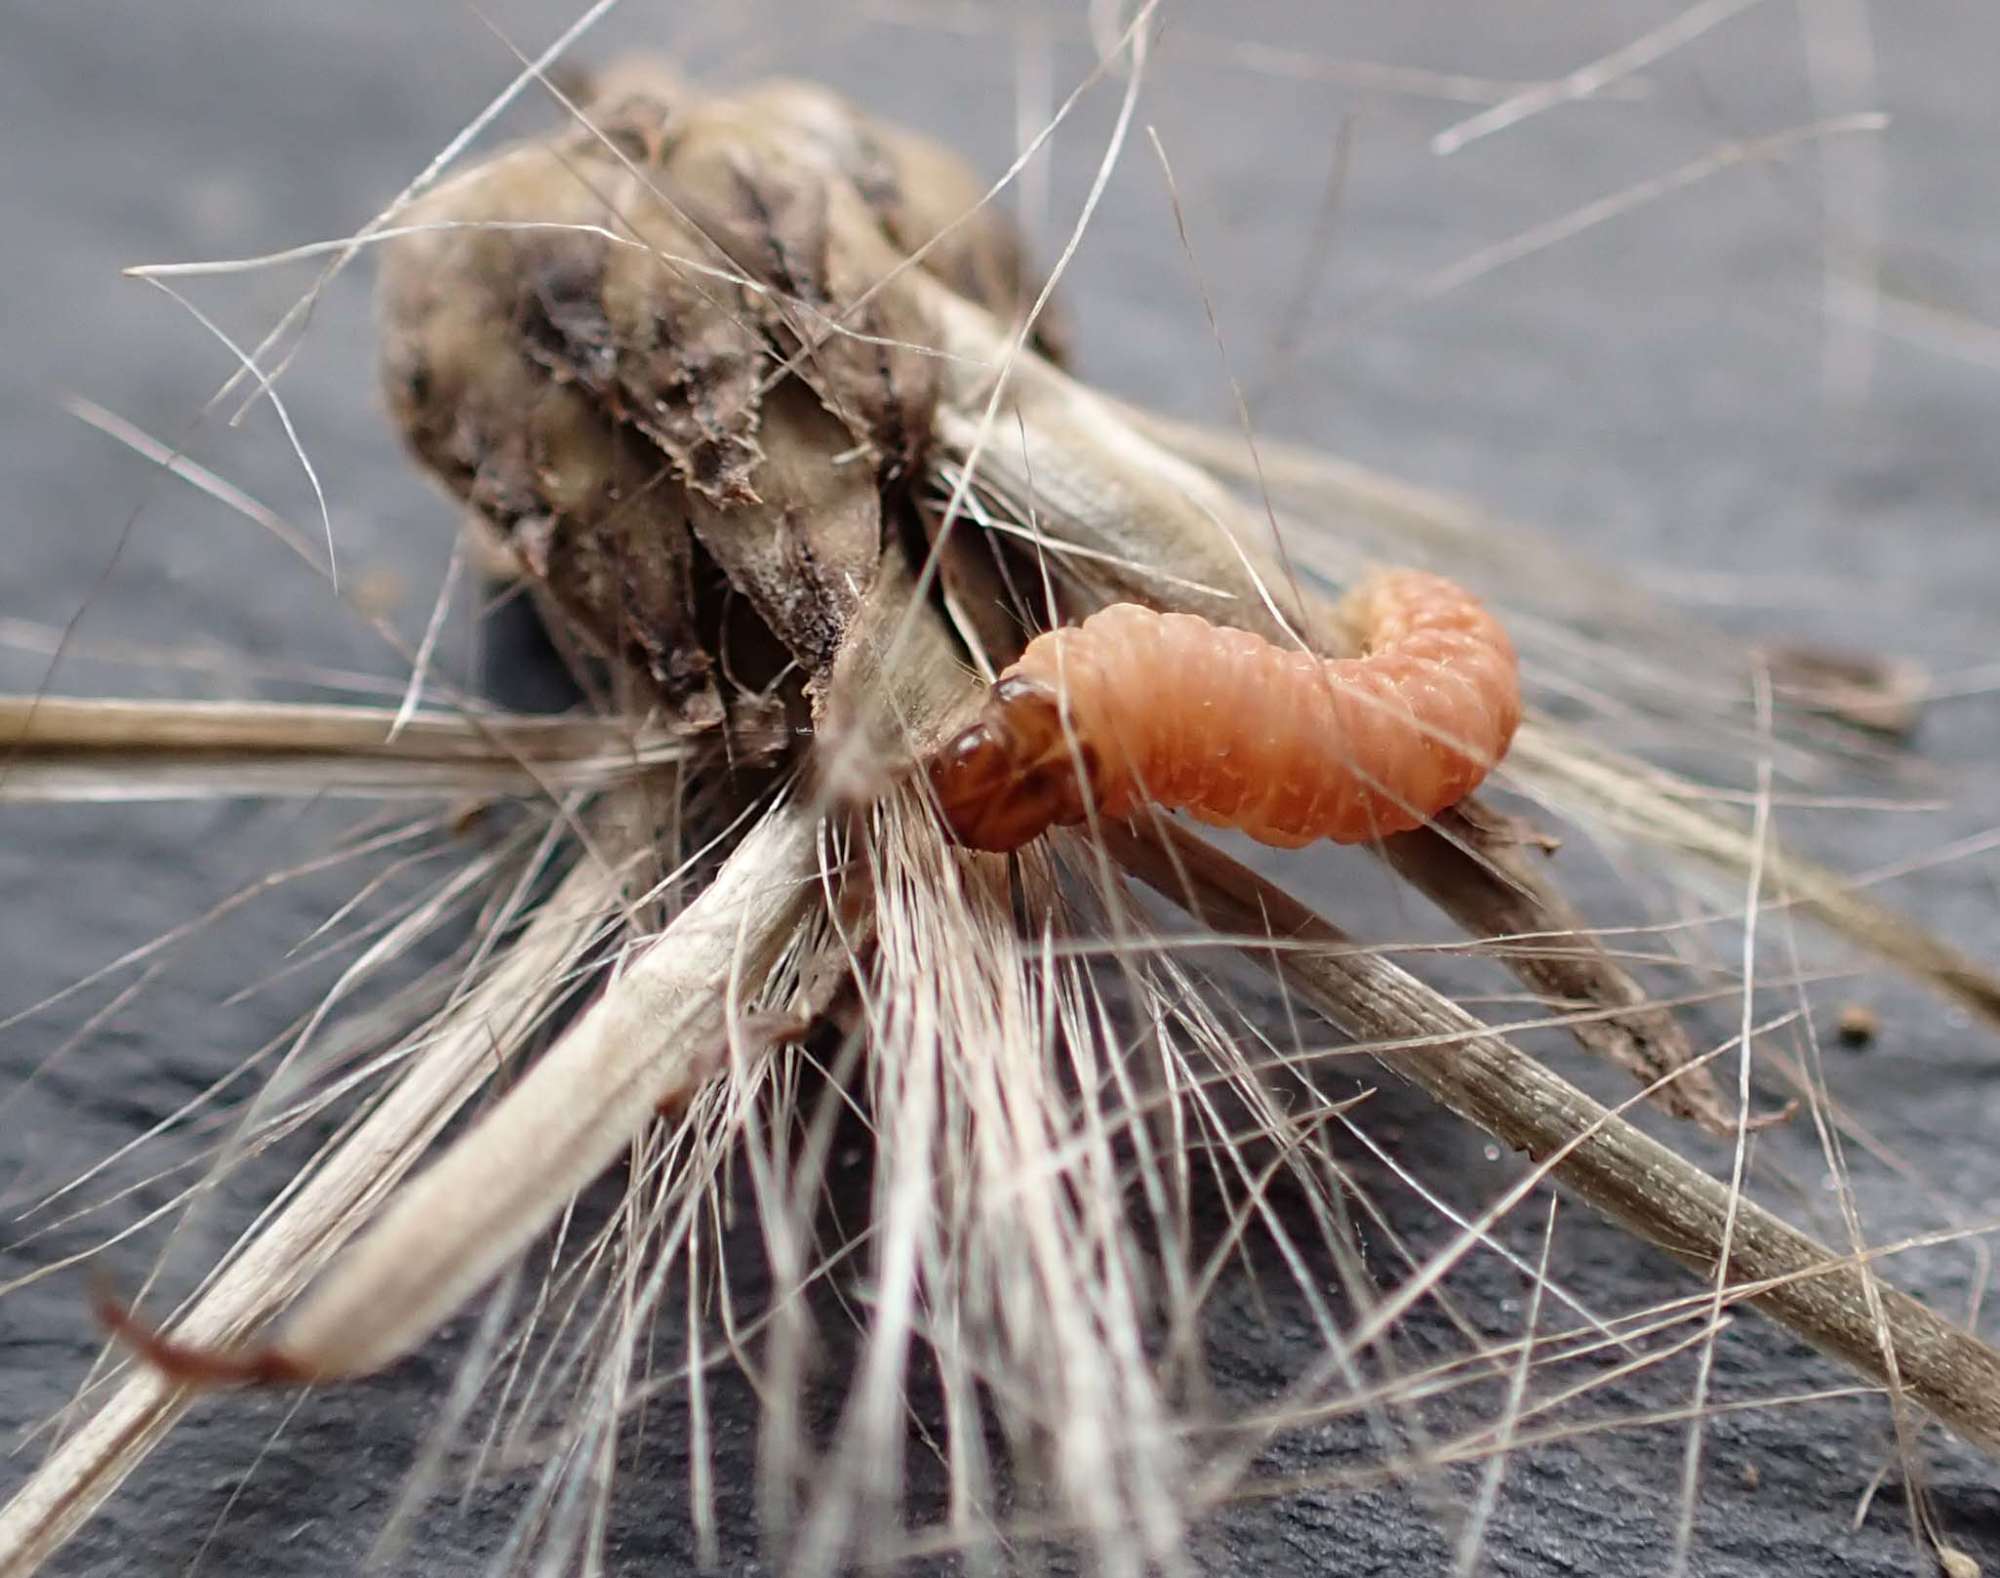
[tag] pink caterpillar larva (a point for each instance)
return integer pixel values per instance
(1134, 707)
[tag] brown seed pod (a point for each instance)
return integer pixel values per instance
(1133, 707)
(660, 345)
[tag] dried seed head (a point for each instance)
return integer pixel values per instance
(663, 330)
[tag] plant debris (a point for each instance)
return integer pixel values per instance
(757, 396)
(1885, 694)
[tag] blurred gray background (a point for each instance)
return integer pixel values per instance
(1674, 391)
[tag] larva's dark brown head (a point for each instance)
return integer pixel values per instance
(1011, 776)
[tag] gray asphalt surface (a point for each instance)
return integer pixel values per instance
(1650, 391)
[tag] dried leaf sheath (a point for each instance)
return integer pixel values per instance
(1819, 1294)
(459, 1056)
(63, 750)
(657, 1033)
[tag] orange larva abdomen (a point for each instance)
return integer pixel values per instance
(1288, 747)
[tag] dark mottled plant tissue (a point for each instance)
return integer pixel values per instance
(1648, 391)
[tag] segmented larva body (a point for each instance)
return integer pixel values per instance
(1133, 707)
